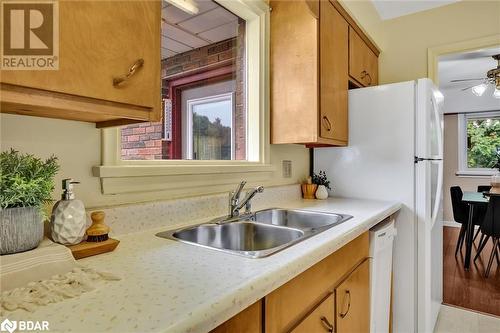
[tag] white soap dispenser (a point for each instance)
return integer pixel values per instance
(68, 220)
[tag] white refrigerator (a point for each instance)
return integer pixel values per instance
(395, 153)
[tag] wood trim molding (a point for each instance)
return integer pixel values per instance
(355, 26)
(37, 102)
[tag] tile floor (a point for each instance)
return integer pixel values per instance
(455, 320)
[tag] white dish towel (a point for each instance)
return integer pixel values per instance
(47, 274)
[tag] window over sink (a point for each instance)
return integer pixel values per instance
(203, 88)
(215, 127)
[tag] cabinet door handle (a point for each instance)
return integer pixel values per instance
(327, 122)
(366, 74)
(326, 324)
(348, 297)
(119, 80)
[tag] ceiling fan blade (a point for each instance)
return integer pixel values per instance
(464, 89)
(463, 80)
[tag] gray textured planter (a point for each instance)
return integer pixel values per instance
(21, 229)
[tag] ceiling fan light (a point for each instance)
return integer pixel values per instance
(479, 89)
(496, 93)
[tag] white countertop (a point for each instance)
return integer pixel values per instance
(168, 286)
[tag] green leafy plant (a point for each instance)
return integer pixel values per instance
(25, 180)
(321, 179)
(483, 138)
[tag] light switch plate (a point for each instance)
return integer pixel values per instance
(286, 167)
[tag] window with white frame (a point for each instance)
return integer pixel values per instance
(479, 142)
(242, 65)
(210, 128)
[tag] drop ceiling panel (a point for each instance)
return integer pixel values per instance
(222, 32)
(166, 53)
(174, 45)
(208, 21)
(178, 34)
(182, 32)
(174, 15)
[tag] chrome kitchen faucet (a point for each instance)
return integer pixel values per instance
(234, 199)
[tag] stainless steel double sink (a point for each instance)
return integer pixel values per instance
(259, 234)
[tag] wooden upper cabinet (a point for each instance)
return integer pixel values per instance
(363, 62)
(352, 302)
(310, 63)
(98, 42)
(294, 71)
(333, 74)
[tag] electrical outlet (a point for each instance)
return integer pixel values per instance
(286, 168)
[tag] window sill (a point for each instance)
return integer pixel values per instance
(476, 173)
(198, 179)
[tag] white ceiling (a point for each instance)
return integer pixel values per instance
(467, 65)
(182, 32)
(389, 9)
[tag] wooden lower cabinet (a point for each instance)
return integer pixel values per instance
(321, 319)
(352, 301)
(331, 296)
(247, 321)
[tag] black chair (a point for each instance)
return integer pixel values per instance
(480, 211)
(484, 188)
(460, 213)
(491, 228)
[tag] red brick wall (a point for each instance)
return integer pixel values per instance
(145, 141)
(142, 141)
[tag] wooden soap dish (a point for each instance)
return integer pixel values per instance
(97, 239)
(87, 249)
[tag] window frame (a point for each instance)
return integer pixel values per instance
(463, 169)
(189, 116)
(125, 176)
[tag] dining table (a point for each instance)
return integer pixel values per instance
(473, 199)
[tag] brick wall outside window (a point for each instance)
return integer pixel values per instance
(145, 141)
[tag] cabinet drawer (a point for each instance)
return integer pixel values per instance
(363, 63)
(99, 41)
(321, 319)
(352, 301)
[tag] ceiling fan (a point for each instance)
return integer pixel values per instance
(492, 77)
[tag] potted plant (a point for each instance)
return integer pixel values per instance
(26, 184)
(323, 183)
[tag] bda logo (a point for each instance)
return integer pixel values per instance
(8, 325)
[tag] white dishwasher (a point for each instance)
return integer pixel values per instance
(381, 242)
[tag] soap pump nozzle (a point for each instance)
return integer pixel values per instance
(67, 186)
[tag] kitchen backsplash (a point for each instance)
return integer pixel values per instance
(132, 218)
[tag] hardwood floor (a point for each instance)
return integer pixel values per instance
(469, 289)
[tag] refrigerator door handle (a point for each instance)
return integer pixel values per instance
(437, 118)
(421, 159)
(439, 193)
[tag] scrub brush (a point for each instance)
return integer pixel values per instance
(98, 231)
